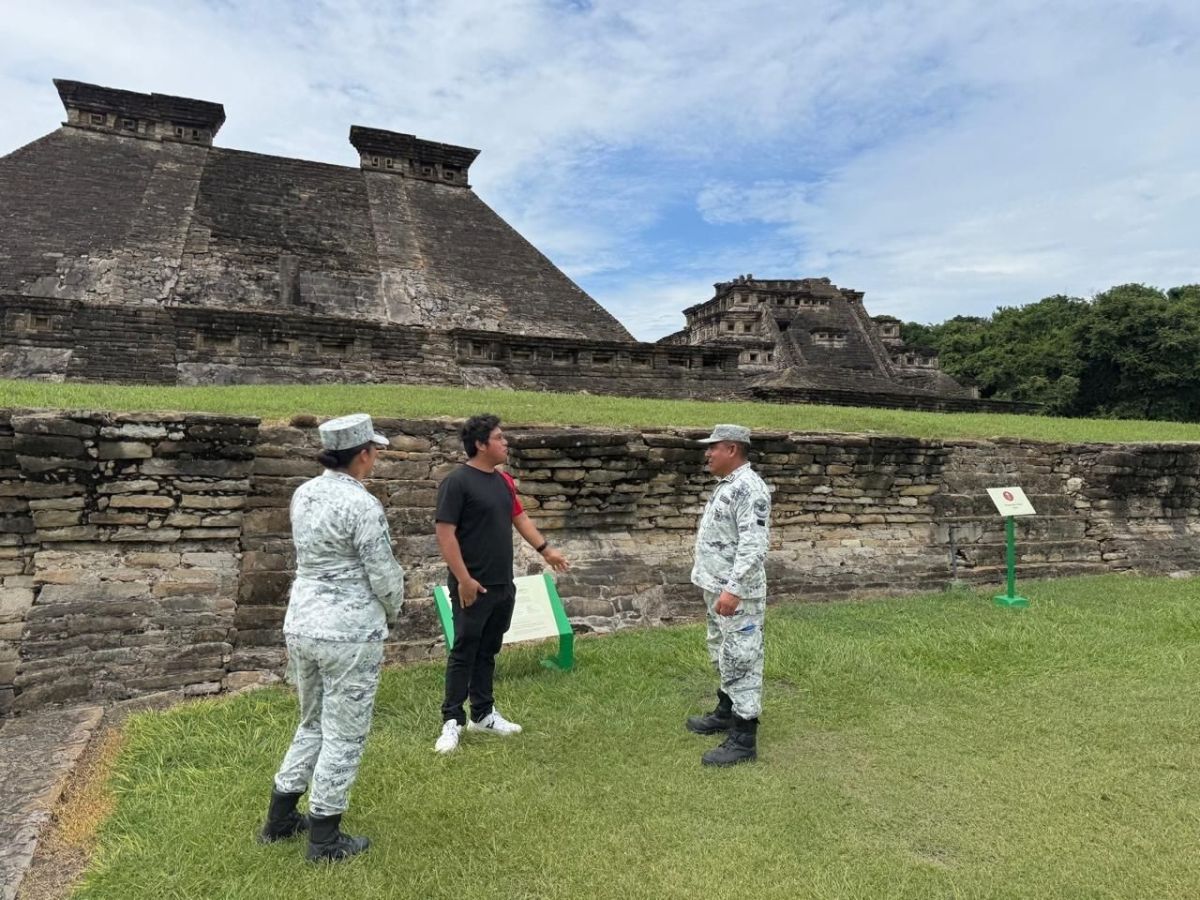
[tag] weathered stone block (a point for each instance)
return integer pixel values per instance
(225, 434)
(34, 489)
(211, 560)
(56, 518)
(149, 535)
(181, 588)
(102, 592)
(305, 467)
(268, 521)
(204, 501)
(54, 424)
(14, 602)
(46, 445)
(18, 524)
(134, 431)
(57, 503)
(141, 501)
(212, 534)
(59, 691)
(241, 681)
(107, 518)
(401, 470)
(124, 450)
(223, 486)
(219, 468)
(77, 533)
(153, 560)
(252, 617)
(264, 588)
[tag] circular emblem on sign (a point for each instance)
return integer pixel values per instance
(1008, 495)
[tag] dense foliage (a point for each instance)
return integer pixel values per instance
(1130, 352)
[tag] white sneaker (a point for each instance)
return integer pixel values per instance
(448, 739)
(494, 723)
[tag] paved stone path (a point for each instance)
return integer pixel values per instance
(37, 753)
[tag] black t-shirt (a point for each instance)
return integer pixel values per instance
(481, 505)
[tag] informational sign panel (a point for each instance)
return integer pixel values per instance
(537, 615)
(1011, 501)
(533, 617)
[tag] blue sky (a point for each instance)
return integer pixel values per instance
(944, 157)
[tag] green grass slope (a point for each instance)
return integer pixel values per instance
(275, 402)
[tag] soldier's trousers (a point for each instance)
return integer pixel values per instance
(735, 646)
(336, 681)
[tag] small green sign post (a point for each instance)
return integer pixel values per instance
(537, 615)
(1011, 502)
(1010, 598)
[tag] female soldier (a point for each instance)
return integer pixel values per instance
(347, 591)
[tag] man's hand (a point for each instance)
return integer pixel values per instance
(468, 590)
(554, 558)
(726, 604)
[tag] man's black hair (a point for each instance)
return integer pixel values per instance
(476, 430)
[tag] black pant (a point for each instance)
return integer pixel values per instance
(478, 635)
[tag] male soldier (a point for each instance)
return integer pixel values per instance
(347, 591)
(731, 544)
(477, 509)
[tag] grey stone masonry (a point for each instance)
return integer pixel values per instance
(143, 553)
(120, 546)
(67, 340)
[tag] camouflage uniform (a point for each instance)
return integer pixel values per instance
(731, 544)
(348, 589)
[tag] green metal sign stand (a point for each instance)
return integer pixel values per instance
(534, 593)
(1010, 597)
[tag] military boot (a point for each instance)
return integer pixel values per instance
(718, 720)
(739, 746)
(327, 842)
(282, 819)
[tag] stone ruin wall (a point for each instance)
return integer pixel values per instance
(64, 340)
(151, 552)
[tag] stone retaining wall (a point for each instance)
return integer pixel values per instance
(150, 552)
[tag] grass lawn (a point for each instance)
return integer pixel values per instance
(276, 402)
(928, 747)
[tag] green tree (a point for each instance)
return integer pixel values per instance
(1131, 352)
(1142, 352)
(1027, 353)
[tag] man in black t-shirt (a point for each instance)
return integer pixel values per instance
(477, 509)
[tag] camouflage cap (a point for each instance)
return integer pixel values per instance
(737, 433)
(350, 431)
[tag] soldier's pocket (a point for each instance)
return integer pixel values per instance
(741, 645)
